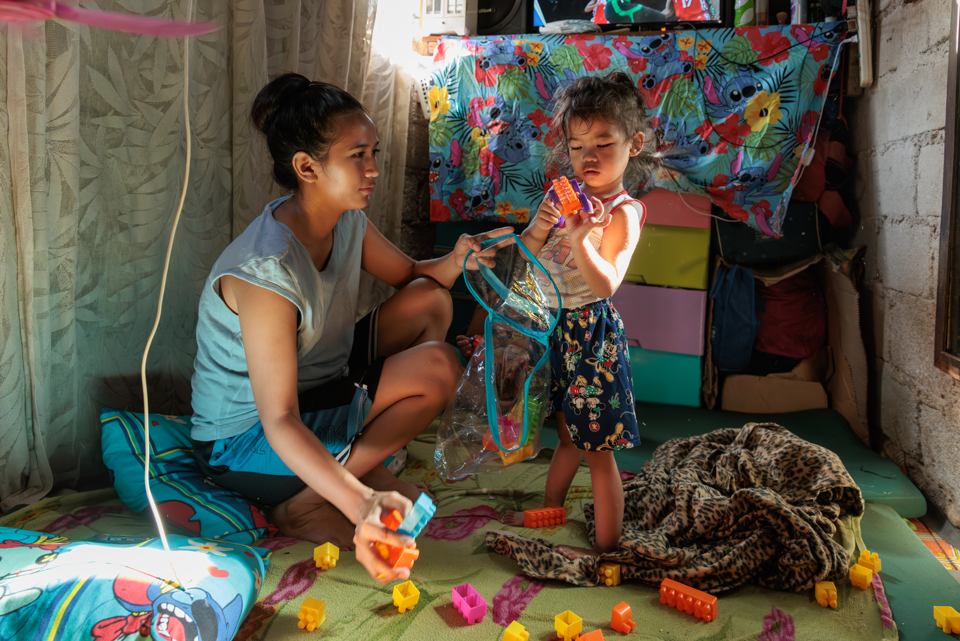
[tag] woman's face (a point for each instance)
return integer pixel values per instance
(347, 177)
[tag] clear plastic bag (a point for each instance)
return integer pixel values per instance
(496, 414)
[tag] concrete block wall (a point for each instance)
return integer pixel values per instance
(897, 131)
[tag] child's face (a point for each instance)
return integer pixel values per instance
(599, 152)
(347, 177)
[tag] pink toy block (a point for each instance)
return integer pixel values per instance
(469, 603)
(622, 618)
(689, 600)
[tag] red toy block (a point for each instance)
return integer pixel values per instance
(596, 635)
(392, 520)
(689, 600)
(622, 619)
(398, 557)
(544, 517)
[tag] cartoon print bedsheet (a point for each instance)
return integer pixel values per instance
(735, 110)
(54, 590)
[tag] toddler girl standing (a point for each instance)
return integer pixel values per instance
(601, 127)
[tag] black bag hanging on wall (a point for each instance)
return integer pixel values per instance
(735, 319)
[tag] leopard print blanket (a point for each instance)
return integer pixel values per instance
(751, 505)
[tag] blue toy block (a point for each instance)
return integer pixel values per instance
(421, 512)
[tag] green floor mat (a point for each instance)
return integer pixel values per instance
(880, 480)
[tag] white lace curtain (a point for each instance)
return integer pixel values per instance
(92, 151)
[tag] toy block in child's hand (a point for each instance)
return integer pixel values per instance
(622, 618)
(398, 557)
(421, 512)
(515, 632)
(326, 556)
(826, 593)
(405, 596)
(392, 520)
(568, 199)
(568, 625)
(311, 614)
(947, 618)
(870, 561)
(610, 573)
(689, 600)
(469, 603)
(544, 516)
(861, 576)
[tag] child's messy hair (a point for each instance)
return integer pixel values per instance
(614, 98)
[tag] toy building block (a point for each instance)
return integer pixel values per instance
(392, 520)
(405, 596)
(689, 600)
(326, 556)
(596, 635)
(311, 614)
(826, 593)
(610, 573)
(568, 625)
(421, 512)
(398, 557)
(470, 604)
(544, 517)
(870, 561)
(860, 576)
(622, 618)
(947, 618)
(515, 632)
(568, 198)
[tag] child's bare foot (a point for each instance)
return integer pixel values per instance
(311, 517)
(573, 552)
(511, 517)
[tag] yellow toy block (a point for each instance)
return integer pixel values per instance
(311, 614)
(947, 618)
(610, 573)
(568, 625)
(860, 576)
(870, 561)
(826, 593)
(405, 596)
(326, 556)
(515, 632)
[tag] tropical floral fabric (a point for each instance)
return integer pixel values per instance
(735, 110)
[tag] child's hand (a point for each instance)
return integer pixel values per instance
(466, 243)
(371, 531)
(547, 216)
(580, 225)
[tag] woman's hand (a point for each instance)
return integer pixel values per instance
(580, 225)
(370, 531)
(466, 243)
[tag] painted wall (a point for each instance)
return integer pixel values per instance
(898, 134)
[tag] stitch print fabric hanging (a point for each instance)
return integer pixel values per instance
(735, 108)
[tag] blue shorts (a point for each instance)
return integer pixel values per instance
(592, 384)
(334, 411)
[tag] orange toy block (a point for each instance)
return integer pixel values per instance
(610, 573)
(689, 600)
(392, 520)
(569, 203)
(326, 556)
(544, 517)
(870, 561)
(596, 635)
(860, 576)
(947, 618)
(311, 614)
(622, 619)
(826, 593)
(515, 632)
(568, 625)
(405, 596)
(398, 557)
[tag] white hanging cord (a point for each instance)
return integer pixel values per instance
(163, 286)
